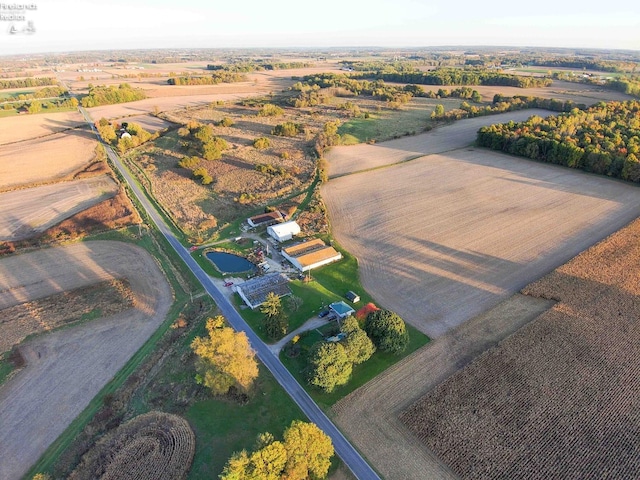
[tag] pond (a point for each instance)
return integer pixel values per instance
(230, 263)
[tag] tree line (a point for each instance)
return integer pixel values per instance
(257, 66)
(213, 79)
(107, 95)
(503, 104)
(456, 76)
(28, 82)
(629, 84)
(603, 139)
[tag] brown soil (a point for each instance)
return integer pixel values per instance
(66, 368)
(369, 416)
(559, 398)
(25, 213)
(470, 224)
(66, 153)
(99, 300)
(25, 127)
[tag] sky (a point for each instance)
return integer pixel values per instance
(70, 25)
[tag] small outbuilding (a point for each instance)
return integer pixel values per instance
(254, 292)
(284, 231)
(352, 296)
(341, 310)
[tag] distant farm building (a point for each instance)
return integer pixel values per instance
(341, 310)
(265, 219)
(311, 254)
(284, 231)
(254, 292)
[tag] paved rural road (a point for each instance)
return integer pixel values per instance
(349, 455)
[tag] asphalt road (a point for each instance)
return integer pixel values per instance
(347, 453)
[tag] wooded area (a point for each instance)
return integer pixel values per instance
(603, 139)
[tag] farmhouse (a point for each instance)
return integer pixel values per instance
(312, 254)
(265, 219)
(284, 231)
(254, 292)
(341, 309)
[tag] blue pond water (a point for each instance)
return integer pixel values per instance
(230, 263)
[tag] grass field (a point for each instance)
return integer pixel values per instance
(411, 119)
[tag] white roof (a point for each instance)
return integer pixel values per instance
(285, 228)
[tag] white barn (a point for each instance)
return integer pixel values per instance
(284, 231)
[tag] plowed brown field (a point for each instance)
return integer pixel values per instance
(559, 399)
(443, 238)
(67, 368)
(24, 213)
(45, 159)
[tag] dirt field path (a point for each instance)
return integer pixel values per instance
(23, 213)
(67, 368)
(355, 158)
(369, 416)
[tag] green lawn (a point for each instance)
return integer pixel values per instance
(412, 118)
(223, 427)
(362, 373)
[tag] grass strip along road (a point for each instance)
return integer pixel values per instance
(347, 453)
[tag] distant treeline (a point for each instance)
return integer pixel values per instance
(456, 76)
(45, 92)
(603, 139)
(28, 82)
(214, 79)
(581, 63)
(257, 66)
(107, 95)
(626, 84)
(503, 104)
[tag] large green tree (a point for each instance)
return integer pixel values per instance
(329, 366)
(276, 321)
(387, 330)
(357, 344)
(225, 358)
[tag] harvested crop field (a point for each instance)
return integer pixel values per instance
(152, 446)
(164, 104)
(45, 159)
(559, 398)
(369, 415)
(443, 238)
(355, 158)
(25, 213)
(98, 300)
(559, 90)
(25, 127)
(66, 368)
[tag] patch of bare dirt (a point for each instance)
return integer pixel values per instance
(102, 299)
(559, 398)
(445, 237)
(66, 368)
